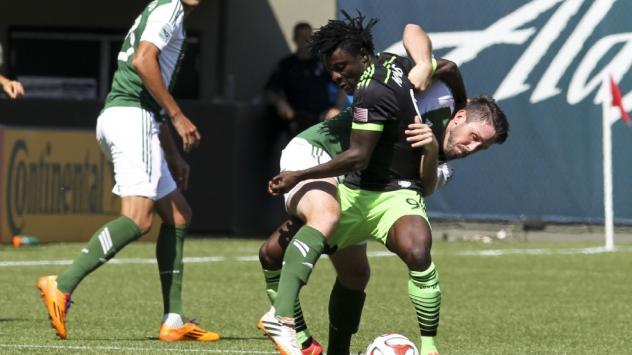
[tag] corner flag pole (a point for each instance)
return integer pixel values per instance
(607, 166)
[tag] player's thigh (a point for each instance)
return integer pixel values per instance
(174, 209)
(354, 226)
(392, 207)
(299, 154)
(315, 202)
(352, 266)
(129, 136)
(139, 209)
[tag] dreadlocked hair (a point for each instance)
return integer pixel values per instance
(350, 34)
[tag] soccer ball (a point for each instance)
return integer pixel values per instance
(392, 344)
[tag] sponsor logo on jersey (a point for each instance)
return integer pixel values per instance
(165, 34)
(397, 74)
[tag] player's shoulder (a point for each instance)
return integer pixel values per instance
(437, 96)
(389, 73)
(166, 10)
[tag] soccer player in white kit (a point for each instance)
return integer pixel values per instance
(132, 133)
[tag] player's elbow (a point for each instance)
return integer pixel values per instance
(412, 27)
(359, 161)
(140, 63)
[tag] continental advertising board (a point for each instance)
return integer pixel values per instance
(56, 184)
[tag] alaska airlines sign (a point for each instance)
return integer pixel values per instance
(513, 29)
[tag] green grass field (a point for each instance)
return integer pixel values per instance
(561, 302)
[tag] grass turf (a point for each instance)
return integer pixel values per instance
(563, 303)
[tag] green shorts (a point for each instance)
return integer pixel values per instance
(368, 214)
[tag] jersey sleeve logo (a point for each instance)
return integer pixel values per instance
(165, 33)
(360, 114)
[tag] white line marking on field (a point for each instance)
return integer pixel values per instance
(135, 349)
(574, 251)
(375, 254)
(125, 261)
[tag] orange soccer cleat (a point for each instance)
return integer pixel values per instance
(57, 303)
(189, 331)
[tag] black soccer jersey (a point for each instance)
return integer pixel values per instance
(383, 101)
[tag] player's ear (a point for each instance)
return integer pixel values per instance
(364, 56)
(459, 117)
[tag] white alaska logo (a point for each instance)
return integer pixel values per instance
(512, 29)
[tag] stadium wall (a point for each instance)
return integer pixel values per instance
(543, 61)
(57, 185)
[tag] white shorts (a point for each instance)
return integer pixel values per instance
(129, 137)
(299, 154)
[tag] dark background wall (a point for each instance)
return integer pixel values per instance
(229, 170)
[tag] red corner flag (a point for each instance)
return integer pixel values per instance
(617, 101)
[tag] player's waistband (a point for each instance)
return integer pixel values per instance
(385, 186)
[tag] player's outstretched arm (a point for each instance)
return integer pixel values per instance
(448, 72)
(12, 88)
(146, 64)
(419, 49)
(355, 158)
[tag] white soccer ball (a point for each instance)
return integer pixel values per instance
(392, 344)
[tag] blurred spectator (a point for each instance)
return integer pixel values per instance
(300, 89)
(12, 88)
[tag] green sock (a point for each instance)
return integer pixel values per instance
(298, 262)
(272, 284)
(103, 245)
(424, 292)
(345, 310)
(169, 254)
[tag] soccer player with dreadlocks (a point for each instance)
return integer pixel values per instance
(381, 195)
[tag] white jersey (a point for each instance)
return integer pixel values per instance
(437, 98)
(161, 23)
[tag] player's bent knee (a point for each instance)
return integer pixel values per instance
(325, 222)
(417, 258)
(269, 258)
(183, 214)
(144, 225)
(325, 218)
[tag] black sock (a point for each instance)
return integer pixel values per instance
(345, 310)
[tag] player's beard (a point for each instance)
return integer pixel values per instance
(452, 151)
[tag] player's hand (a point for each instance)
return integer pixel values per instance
(187, 131)
(282, 183)
(180, 170)
(13, 88)
(420, 76)
(420, 135)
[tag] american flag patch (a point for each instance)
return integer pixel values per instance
(360, 114)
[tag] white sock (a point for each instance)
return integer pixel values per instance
(173, 320)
